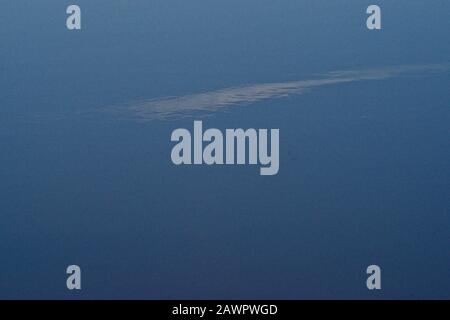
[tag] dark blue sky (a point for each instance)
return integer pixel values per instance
(364, 165)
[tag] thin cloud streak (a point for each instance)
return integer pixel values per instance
(212, 101)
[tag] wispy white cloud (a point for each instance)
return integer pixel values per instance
(212, 101)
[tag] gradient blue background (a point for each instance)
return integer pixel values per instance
(364, 173)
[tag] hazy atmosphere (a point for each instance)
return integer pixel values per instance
(86, 118)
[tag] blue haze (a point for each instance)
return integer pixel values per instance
(364, 171)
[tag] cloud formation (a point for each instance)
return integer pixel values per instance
(212, 101)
